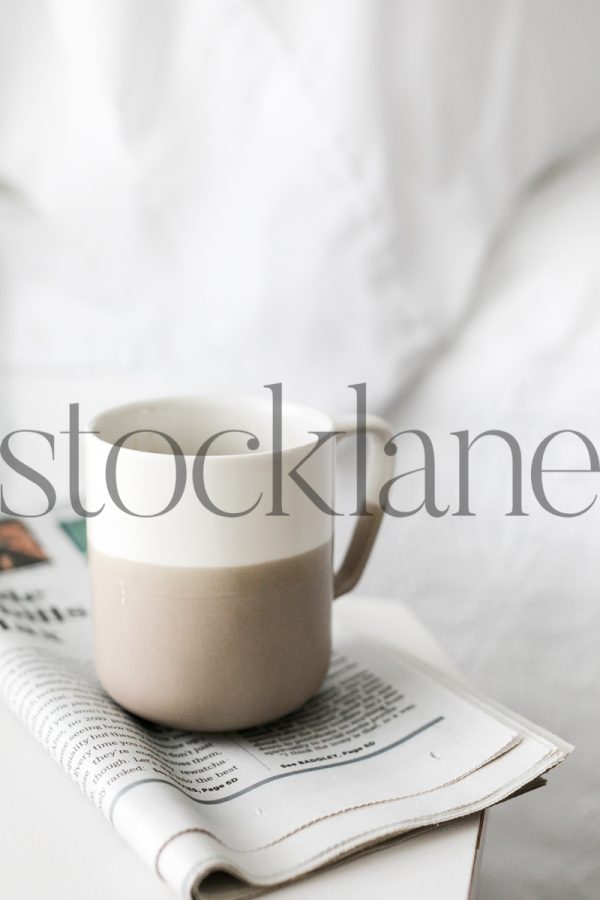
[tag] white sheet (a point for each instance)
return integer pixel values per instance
(229, 193)
(515, 600)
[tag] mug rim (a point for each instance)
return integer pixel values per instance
(318, 416)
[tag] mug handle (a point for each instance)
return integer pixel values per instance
(381, 467)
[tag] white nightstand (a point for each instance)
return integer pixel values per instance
(56, 846)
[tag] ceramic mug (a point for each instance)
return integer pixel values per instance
(212, 571)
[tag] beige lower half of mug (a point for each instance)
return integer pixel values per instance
(212, 649)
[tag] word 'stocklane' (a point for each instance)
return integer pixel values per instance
(186, 466)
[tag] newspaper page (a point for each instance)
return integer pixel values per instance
(387, 745)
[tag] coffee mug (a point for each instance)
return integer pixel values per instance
(211, 566)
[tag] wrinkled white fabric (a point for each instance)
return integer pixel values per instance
(240, 191)
(216, 195)
(516, 599)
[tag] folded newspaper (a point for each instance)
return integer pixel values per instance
(388, 746)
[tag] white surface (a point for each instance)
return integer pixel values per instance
(56, 845)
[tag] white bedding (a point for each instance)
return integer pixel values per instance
(516, 599)
(226, 194)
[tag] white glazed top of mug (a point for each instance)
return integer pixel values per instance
(237, 477)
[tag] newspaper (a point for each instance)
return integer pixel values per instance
(388, 746)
